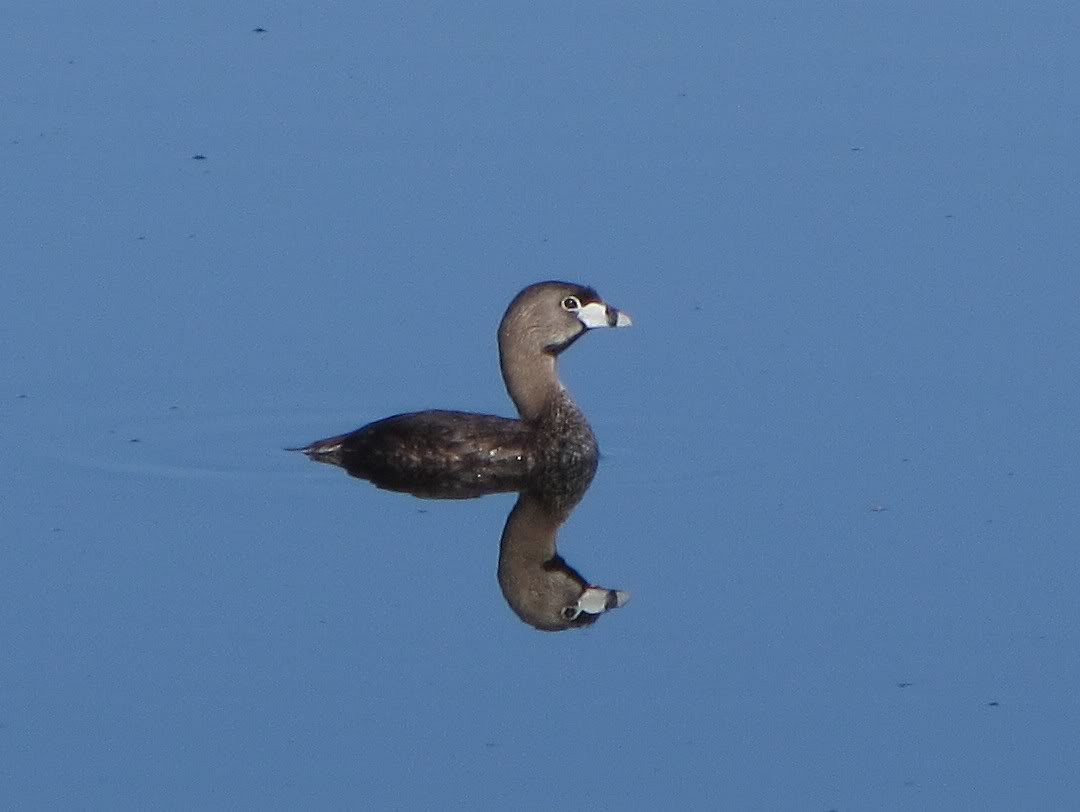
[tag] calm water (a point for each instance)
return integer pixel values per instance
(840, 473)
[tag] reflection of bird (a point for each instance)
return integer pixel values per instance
(541, 588)
(448, 454)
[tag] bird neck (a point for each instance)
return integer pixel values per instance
(531, 378)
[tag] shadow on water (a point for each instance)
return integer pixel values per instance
(548, 456)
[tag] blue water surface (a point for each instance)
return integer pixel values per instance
(840, 478)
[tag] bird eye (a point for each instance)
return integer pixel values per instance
(570, 612)
(571, 303)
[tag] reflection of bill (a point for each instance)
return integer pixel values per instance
(549, 455)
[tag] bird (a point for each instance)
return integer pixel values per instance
(549, 449)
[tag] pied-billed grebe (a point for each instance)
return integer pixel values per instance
(461, 454)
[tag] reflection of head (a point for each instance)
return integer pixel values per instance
(541, 588)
